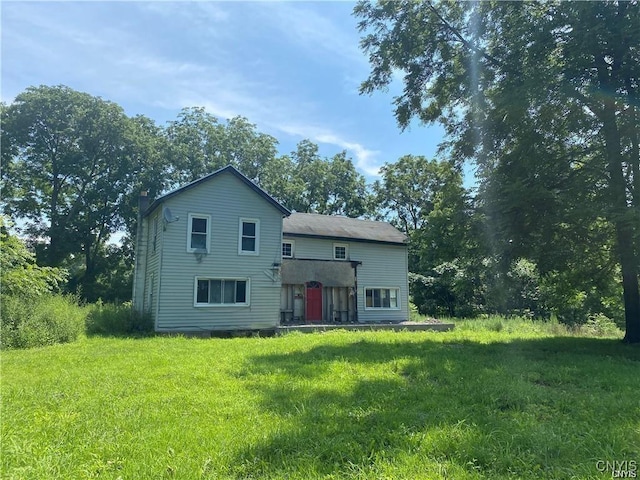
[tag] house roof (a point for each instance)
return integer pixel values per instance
(341, 228)
(228, 169)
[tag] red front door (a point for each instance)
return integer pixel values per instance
(314, 302)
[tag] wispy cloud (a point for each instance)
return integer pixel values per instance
(135, 61)
(310, 29)
(365, 159)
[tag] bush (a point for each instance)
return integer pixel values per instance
(111, 319)
(38, 321)
(599, 325)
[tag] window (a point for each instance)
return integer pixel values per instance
(287, 249)
(249, 237)
(221, 291)
(381, 298)
(340, 251)
(199, 232)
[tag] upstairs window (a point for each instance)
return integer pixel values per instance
(287, 249)
(249, 237)
(340, 251)
(199, 233)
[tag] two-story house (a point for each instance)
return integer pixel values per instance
(208, 256)
(221, 254)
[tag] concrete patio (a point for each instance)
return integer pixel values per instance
(396, 327)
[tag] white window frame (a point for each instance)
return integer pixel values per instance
(390, 289)
(346, 251)
(255, 221)
(189, 232)
(247, 302)
(293, 248)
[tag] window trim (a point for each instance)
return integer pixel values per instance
(293, 248)
(256, 221)
(247, 303)
(396, 289)
(346, 251)
(189, 231)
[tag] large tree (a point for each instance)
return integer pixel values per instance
(198, 144)
(540, 95)
(71, 164)
(306, 182)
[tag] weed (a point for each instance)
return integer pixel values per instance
(40, 320)
(111, 319)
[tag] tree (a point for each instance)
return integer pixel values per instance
(306, 182)
(20, 276)
(199, 144)
(527, 90)
(71, 165)
(426, 200)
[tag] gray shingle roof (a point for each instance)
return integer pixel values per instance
(329, 226)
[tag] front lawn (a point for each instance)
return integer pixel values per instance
(472, 403)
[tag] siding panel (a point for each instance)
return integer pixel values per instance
(226, 199)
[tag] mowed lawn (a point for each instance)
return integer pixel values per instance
(472, 403)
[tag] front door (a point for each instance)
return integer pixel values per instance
(314, 302)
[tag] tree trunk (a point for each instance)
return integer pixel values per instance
(624, 222)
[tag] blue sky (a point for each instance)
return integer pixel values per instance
(292, 68)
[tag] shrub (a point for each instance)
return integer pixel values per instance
(112, 319)
(38, 321)
(600, 325)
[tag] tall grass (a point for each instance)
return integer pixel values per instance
(112, 319)
(48, 319)
(41, 320)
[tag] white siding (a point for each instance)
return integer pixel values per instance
(152, 256)
(315, 248)
(383, 266)
(226, 199)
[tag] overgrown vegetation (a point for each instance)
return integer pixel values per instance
(497, 399)
(35, 313)
(43, 320)
(112, 319)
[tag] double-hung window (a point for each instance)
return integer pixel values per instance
(221, 291)
(199, 233)
(249, 236)
(287, 249)
(381, 298)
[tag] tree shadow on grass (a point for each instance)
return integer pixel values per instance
(546, 408)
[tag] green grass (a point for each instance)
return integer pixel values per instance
(478, 402)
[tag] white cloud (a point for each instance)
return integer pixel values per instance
(364, 158)
(128, 62)
(310, 29)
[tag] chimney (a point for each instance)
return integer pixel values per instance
(143, 203)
